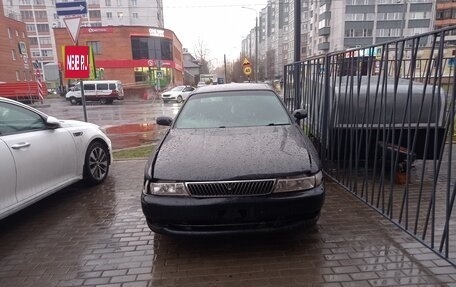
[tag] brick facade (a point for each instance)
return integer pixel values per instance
(18, 67)
(115, 55)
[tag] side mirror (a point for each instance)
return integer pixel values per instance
(164, 121)
(300, 114)
(52, 123)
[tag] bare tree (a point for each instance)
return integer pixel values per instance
(201, 52)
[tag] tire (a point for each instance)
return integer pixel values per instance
(96, 163)
(109, 102)
(103, 101)
(73, 101)
(165, 101)
(179, 99)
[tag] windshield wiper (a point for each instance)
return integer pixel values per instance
(273, 124)
(222, 127)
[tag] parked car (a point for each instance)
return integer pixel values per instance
(40, 155)
(201, 84)
(178, 94)
(233, 160)
(102, 91)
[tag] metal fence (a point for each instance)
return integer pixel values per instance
(382, 118)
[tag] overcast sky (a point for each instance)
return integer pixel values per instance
(219, 24)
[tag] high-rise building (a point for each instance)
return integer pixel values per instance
(41, 17)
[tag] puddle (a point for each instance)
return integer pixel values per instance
(133, 135)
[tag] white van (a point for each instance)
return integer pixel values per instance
(103, 91)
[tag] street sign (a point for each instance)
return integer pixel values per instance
(245, 62)
(73, 26)
(159, 74)
(247, 70)
(71, 8)
(77, 62)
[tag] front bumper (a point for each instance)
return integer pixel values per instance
(188, 215)
(169, 98)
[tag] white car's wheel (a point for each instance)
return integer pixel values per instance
(179, 99)
(96, 165)
(73, 101)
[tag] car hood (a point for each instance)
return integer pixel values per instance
(234, 153)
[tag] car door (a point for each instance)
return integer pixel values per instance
(90, 92)
(7, 177)
(44, 158)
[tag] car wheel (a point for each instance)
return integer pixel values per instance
(73, 101)
(96, 164)
(165, 101)
(109, 102)
(179, 99)
(103, 101)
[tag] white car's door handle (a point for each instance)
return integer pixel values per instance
(20, 145)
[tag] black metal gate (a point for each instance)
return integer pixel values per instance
(382, 118)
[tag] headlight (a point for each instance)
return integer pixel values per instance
(165, 188)
(297, 184)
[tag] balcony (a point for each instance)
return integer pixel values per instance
(323, 46)
(325, 31)
(445, 22)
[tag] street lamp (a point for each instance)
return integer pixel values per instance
(256, 41)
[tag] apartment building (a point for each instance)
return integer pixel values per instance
(41, 17)
(328, 26)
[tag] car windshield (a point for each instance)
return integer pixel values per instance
(232, 109)
(178, 88)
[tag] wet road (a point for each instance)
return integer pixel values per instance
(128, 123)
(98, 237)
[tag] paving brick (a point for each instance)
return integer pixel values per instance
(98, 236)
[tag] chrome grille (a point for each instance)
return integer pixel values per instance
(231, 188)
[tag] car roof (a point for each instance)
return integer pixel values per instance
(234, 87)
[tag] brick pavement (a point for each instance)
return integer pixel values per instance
(98, 237)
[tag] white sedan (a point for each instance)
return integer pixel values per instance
(178, 94)
(40, 155)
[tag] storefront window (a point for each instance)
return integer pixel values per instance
(151, 48)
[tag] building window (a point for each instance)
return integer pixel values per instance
(109, 15)
(9, 33)
(38, 2)
(56, 17)
(18, 76)
(36, 54)
(119, 2)
(46, 53)
(151, 48)
(95, 14)
(33, 41)
(95, 24)
(25, 2)
(45, 41)
(13, 54)
(42, 27)
(31, 28)
(108, 3)
(26, 14)
(134, 3)
(134, 15)
(41, 14)
(96, 46)
(25, 76)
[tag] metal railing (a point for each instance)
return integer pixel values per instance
(382, 118)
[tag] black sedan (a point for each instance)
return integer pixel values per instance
(233, 161)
